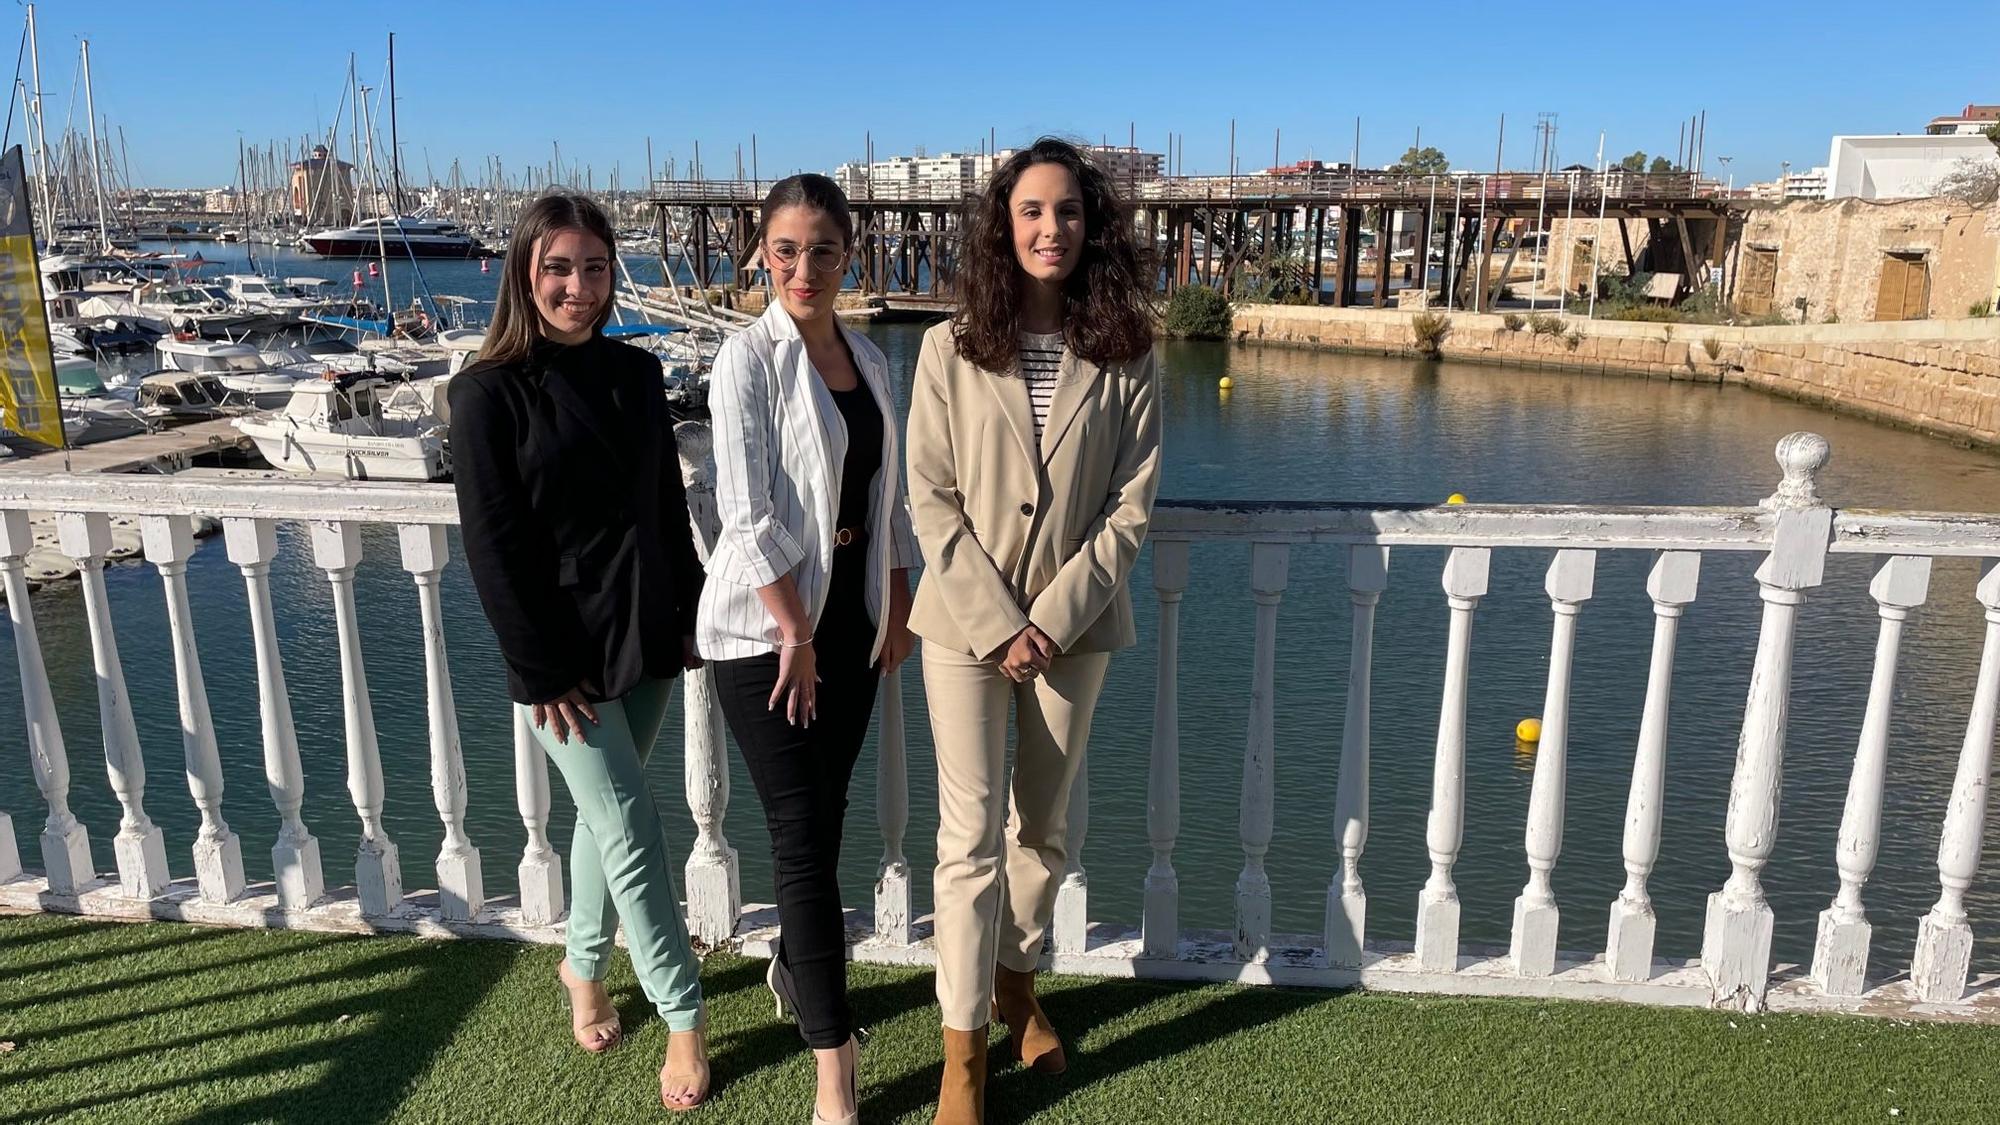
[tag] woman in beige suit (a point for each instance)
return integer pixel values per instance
(1034, 441)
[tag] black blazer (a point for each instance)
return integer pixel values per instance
(574, 517)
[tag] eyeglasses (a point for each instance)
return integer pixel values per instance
(818, 258)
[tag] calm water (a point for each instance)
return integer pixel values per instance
(1298, 425)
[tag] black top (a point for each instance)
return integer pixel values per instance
(574, 517)
(864, 453)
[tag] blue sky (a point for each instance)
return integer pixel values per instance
(812, 81)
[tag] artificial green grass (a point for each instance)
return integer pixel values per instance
(161, 1023)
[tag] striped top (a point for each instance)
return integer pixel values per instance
(1041, 363)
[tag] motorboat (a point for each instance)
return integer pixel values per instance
(352, 429)
(187, 395)
(293, 296)
(239, 367)
(91, 412)
(418, 235)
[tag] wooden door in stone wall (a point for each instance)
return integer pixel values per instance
(1904, 292)
(1759, 281)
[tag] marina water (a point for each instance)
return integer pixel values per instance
(1298, 425)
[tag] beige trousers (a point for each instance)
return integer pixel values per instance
(987, 910)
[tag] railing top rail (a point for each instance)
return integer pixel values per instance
(1855, 531)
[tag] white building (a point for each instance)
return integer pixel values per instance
(1900, 167)
(1809, 184)
(1973, 119)
(952, 175)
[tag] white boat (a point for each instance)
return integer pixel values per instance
(270, 294)
(90, 411)
(239, 367)
(187, 395)
(416, 235)
(351, 429)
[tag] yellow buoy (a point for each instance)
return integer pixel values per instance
(1226, 382)
(1528, 730)
(1455, 498)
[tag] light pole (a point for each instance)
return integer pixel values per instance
(1730, 191)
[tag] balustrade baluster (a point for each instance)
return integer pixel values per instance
(1070, 924)
(714, 881)
(1160, 925)
(1465, 577)
(1269, 564)
(540, 870)
(378, 873)
(1736, 937)
(1536, 917)
(1944, 937)
(218, 854)
(1629, 949)
(139, 848)
(1346, 898)
(461, 891)
(892, 814)
(252, 545)
(65, 845)
(1840, 953)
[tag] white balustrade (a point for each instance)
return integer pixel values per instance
(1346, 899)
(1269, 564)
(1570, 579)
(540, 871)
(714, 880)
(218, 854)
(378, 874)
(1840, 952)
(1070, 923)
(461, 891)
(139, 848)
(1736, 938)
(1465, 576)
(1160, 925)
(10, 851)
(892, 815)
(1628, 950)
(1944, 937)
(252, 545)
(65, 846)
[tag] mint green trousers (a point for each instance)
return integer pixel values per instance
(618, 867)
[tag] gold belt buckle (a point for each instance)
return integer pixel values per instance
(843, 537)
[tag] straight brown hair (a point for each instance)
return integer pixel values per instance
(517, 323)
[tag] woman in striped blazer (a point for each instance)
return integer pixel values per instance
(807, 603)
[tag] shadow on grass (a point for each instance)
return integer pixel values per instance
(362, 1074)
(18, 970)
(1016, 1094)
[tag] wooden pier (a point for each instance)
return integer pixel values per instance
(167, 450)
(1293, 231)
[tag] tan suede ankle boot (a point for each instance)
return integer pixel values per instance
(1035, 1040)
(962, 1092)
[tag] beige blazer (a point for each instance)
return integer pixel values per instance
(1012, 534)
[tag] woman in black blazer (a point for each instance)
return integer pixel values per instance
(576, 530)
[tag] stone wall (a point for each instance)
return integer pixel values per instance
(1941, 377)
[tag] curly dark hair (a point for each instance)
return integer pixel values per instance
(1107, 313)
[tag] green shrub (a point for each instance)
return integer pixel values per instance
(1430, 330)
(1514, 321)
(1196, 312)
(1546, 324)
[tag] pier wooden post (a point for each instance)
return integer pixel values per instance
(1385, 226)
(1465, 577)
(1736, 940)
(1160, 919)
(252, 545)
(1840, 950)
(378, 874)
(65, 846)
(892, 815)
(1483, 289)
(1346, 899)
(1319, 250)
(461, 890)
(139, 848)
(218, 854)
(1569, 584)
(1269, 563)
(1628, 952)
(1944, 937)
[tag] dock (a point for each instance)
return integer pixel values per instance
(169, 450)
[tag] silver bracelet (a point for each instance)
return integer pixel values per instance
(795, 644)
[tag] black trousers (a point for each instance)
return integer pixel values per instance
(801, 775)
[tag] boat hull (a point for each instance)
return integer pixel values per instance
(317, 453)
(369, 248)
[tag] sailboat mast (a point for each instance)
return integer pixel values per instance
(395, 147)
(39, 133)
(96, 177)
(381, 243)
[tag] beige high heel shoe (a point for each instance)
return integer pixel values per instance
(596, 1036)
(853, 1092)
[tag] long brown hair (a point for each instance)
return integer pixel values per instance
(1107, 317)
(517, 323)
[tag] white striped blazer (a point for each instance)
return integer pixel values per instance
(779, 444)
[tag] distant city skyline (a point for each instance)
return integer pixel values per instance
(185, 84)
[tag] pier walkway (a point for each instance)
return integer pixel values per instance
(167, 449)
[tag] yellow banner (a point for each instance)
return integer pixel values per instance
(29, 405)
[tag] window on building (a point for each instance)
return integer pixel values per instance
(1904, 291)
